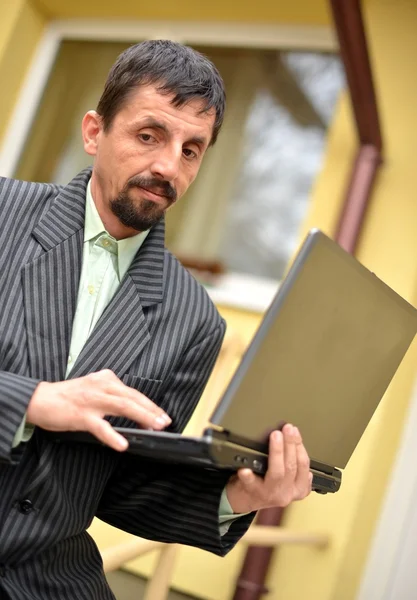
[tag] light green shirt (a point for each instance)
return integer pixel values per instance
(105, 262)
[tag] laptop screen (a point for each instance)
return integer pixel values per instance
(323, 355)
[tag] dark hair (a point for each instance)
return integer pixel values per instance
(175, 68)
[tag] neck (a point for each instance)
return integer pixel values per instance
(110, 221)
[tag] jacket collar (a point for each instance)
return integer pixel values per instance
(66, 217)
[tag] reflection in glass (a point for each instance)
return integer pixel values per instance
(282, 154)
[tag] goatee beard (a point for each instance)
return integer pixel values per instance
(142, 214)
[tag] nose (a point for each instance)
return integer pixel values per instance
(166, 164)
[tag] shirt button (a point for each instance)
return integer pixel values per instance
(106, 243)
(26, 506)
(91, 290)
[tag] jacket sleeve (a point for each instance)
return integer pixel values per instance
(15, 394)
(170, 502)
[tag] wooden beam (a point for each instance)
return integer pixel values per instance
(258, 535)
(116, 556)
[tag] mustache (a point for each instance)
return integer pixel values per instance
(158, 186)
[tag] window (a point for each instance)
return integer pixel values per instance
(252, 192)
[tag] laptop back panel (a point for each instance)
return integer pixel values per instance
(323, 356)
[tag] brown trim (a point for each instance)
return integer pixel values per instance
(362, 178)
(347, 16)
(251, 582)
(350, 28)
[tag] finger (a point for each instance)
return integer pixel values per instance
(109, 382)
(276, 466)
(141, 399)
(118, 388)
(125, 407)
(104, 432)
(290, 452)
(102, 374)
(123, 397)
(304, 476)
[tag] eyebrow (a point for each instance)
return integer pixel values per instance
(154, 124)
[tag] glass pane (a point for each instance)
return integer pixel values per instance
(282, 154)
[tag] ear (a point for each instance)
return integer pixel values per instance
(91, 129)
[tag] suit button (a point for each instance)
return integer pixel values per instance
(25, 506)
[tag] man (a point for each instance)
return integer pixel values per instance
(99, 320)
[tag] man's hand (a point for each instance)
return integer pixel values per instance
(81, 404)
(288, 476)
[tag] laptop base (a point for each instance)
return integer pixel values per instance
(214, 450)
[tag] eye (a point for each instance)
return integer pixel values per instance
(188, 153)
(146, 137)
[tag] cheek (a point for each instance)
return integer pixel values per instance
(183, 183)
(191, 175)
(108, 158)
(192, 172)
(123, 153)
(117, 150)
(132, 161)
(112, 164)
(122, 164)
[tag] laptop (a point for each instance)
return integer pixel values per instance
(321, 359)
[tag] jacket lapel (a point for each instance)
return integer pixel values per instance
(50, 282)
(122, 332)
(50, 286)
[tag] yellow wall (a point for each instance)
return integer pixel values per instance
(388, 246)
(299, 11)
(21, 27)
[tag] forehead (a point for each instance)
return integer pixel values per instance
(146, 101)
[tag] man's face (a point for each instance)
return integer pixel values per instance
(148, 157)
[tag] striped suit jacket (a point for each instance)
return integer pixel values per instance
(160, 334)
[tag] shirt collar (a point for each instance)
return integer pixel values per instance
(93, 228)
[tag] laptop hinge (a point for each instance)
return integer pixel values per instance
(217, 434)
(318, 466)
